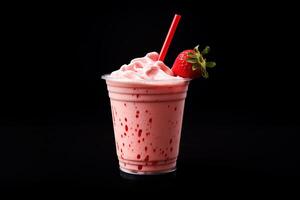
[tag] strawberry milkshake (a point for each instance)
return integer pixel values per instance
(147, 105)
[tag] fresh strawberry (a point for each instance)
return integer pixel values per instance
(191, 63)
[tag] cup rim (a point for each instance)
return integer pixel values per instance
(107, 77)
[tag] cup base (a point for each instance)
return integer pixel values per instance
(134, 172)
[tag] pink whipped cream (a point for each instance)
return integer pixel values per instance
(145, 68)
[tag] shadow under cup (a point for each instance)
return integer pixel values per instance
(147, 119)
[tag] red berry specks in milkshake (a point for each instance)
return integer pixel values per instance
(175, 108)
(140, 167)
(137, 96)
(146, 148)
(150, 120)
(171, 149)
(140, 133)
(147, 158)
(125, 134)
(138, 156)
(125, 119)
(154, 162)
(170, 142)
(126, 127)
(143, 139)
(125, 104)
(148, 133)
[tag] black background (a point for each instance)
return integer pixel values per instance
(240, 125)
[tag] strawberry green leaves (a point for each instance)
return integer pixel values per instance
(204, 74)
(206, 50)
(192, 60)
(210, 64)
(199, 62)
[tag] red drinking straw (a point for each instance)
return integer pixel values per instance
(169, 37)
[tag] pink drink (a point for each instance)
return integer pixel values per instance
(147, 118)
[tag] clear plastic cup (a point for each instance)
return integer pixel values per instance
(147, 118)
